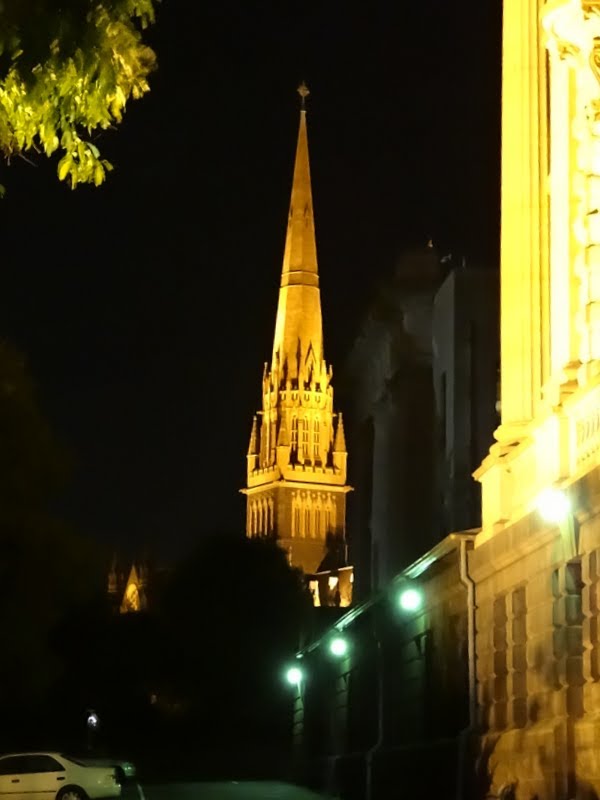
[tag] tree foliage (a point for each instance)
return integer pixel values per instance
(202, 669)
(262, 602)
(237, 612)
(45, 568)
(67, 69)
(34, 465)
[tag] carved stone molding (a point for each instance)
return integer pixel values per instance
(572, 28)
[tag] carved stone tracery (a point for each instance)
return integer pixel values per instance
(572, 28)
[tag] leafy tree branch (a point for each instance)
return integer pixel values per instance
(69, 68)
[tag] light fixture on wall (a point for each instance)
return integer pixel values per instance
(410, 598)
(553, 505)
(338, 646)
(294, 676)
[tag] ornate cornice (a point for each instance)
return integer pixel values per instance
(572, 28)
(590, 6)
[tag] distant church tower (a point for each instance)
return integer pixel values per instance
(296, 483)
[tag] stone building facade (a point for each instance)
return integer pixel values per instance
(466, 361)
(394, 711)
(388, 392)
(420, 387)
(404, 698)
(537, 586)
(531, 575)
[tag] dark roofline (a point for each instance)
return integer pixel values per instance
(448, 545)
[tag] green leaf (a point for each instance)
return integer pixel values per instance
(64, 165)
(98, 174)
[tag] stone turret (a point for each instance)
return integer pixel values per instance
(340, 454)
(253, 446)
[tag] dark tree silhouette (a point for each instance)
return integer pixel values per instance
(236, 610)
(45, 568)
(197, 681)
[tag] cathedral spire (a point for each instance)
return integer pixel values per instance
(296, 463)
(299, 327)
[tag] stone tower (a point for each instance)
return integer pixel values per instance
(550, 257)
(296, 482)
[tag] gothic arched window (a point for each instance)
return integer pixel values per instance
(296, 530)
(261, 525)
(316, 438)
(265, 527)
(271, 516)
(273, 442)
(305, 438)
(328, 518)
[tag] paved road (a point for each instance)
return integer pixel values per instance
(226, 791)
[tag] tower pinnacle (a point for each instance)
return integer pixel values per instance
(299, 327)
(303, 91)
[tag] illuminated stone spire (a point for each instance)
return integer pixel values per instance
(296, 477)
(340, 453)
(298, 342)
(253, 450)
(339, 445)
(253, 445)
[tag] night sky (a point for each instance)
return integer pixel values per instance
(146, 308)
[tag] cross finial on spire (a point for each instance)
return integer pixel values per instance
(303, 91)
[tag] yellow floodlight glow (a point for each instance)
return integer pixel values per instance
(553, 505)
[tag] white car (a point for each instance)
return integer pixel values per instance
(125, 770)
(52, 776)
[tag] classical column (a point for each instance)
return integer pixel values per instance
(523, 216)
(562, 299)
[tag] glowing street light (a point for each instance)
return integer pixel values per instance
(338, 647)
(92, 720)
(410, 599)
(553, 505)
(294, 676)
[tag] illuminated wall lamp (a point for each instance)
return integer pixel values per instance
(294, 676)
(338, 646)
(553, 505)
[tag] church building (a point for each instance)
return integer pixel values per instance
(296, 463)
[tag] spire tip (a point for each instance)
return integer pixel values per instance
(303, 91)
